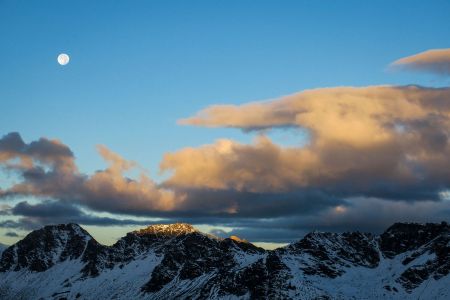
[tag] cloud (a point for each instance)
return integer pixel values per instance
(5, 209)
(377, 141)
(32, 216)
(231, 203)
(48, 170)
(432, 61)
(260, 167)
(11, 234)
(110, 191)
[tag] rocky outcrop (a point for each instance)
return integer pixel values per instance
(402, 237)
(43, 248)
(330, 254)
(429, 251)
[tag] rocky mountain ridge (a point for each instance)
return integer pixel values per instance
(167, 229)
(177, 261)
(2, 248)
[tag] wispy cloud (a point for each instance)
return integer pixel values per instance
(432, 61)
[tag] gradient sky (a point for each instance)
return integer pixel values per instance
(137, 67)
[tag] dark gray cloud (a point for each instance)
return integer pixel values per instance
(45, 151)
(46, 209)
(5, 209)
(32, 216)
(11, 234)
(365, 214)
(238, 204)
(388, 142)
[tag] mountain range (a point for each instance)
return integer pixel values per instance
(176, 261)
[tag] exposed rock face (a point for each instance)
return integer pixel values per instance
(330, 254)
(178, 262)
(43, 248)
(167, 230)
(429, 241)
(402, 237)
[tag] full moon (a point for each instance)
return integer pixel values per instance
(63, 59)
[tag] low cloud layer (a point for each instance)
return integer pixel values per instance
(431, 61)
(363, 214)
(32, 216)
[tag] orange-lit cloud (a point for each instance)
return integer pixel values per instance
(433, 61)
(353, 115)
(260, 167)
(371, 141)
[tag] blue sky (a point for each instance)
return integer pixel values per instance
(139, 66)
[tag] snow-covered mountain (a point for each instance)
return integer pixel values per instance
(407, 261)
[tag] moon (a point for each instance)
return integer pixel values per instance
(63, 59)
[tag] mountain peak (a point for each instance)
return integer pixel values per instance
(238, 239)
(45, 247)
(402, 237)
(167, 229)
(66, 227)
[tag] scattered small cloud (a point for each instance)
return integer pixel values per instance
(356, 146)
(431, 61)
